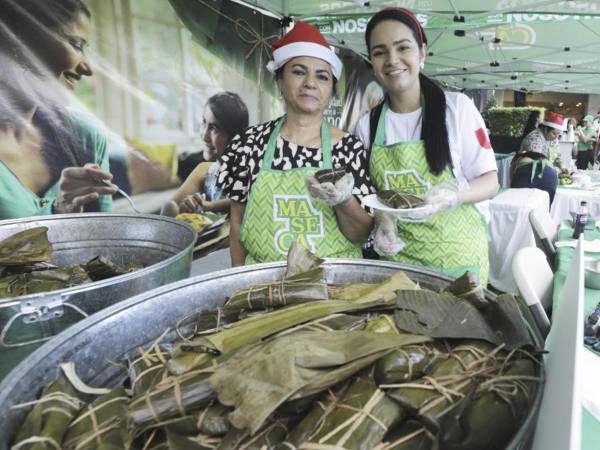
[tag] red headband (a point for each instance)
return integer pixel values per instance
(412, 17)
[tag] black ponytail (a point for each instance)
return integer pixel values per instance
(433, 128)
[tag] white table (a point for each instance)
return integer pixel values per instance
(569, 199)
(510, 230)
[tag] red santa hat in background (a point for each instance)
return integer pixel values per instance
(554, 120)
(303, 40)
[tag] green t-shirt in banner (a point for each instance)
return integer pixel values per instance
(17, 201)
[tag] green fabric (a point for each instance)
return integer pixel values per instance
(563, 263)
(280, 211)
(16, 200)
(590, 431)
(450, 243)
(586, 146)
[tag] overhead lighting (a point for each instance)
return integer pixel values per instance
(561, 104)
(578, 104)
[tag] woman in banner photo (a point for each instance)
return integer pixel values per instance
(51, 159)
(225, 116)
(431, 144)
(268, 171)
(530, 167)
(587, 137)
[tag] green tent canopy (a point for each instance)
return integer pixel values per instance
(526, 45)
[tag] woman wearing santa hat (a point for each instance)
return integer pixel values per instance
(268, 171)
(530, 167)
(431, 144)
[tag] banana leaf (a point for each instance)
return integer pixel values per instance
(233, 439)
(301, 288)
(383, 323)
(179, 441)
(410, 435)
(464, 354)
(42, 281)
(148, 369)
(330, 175)
(173, 397)
(368, 292)
(400, 199)
(405, 364)
(314, 419)
(468, 287)
(102, 425)
(446, 316)
(494, 413)
(101, 268)
(26, 247)
(300, 259)
(209, 421)
(360, 420)
(267, 438)
(334, 322)
(262, 377)
(47, 423)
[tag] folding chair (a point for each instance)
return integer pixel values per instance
(533, 277)
(544, 232)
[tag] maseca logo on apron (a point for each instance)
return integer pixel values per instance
(302, 222)
(406, 180)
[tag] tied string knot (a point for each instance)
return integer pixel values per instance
(248, 35)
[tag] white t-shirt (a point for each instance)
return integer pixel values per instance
(470, 150)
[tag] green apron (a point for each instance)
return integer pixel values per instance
(450, 243)
(280, 211)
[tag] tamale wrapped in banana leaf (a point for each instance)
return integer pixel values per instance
(268, 437)
(300, 259)
(360, 420)
(178, 441)
(233, 439)
(301, 288)
(101, 425)
(400, 199)
(334, 322)
(410, 435)
(148, 367)
(468, 286)
(48, 421)
(26, 247)
(101, 268)
(210, 421)
(42, 281)
(405, 364)
(330, 175)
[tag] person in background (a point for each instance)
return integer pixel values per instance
(225, 116)
(533, 121)
(587, 137)
(569, 135)
(429, 143)
(268, 171)
(531, 168)
(51, 160)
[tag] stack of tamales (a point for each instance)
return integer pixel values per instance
(25, 267)
(303, 364)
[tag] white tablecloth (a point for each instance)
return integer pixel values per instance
(569, 199)
(510, 230)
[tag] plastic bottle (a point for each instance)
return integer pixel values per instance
(581, 220)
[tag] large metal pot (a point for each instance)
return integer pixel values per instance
(162, 245)
(95, 342)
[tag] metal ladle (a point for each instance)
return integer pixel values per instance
(124, 194)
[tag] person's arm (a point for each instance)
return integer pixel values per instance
(483, 187)
(354, 221)
(218, 206)
(79, 186)
(237, 250)
(193, 183)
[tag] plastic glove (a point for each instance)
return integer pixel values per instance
(385, 238)
(332, 194)
(444, 197)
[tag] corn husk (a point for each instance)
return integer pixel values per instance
(42, 281)
(301, 288)
(47, 423)
(101, 425)
(26, 247)
(359, 421)
(400, 199)
(264, 376)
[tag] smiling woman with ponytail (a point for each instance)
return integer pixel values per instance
(428, 143)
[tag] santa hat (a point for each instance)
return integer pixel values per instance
(303, 40)
(554, 120)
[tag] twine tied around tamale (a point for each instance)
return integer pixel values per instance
(354, 421)
(59, 397)
(205, 441)
(91, 409)
(36, 440)
(472, 291)
(154, 352)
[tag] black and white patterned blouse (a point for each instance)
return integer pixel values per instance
(244, 156)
